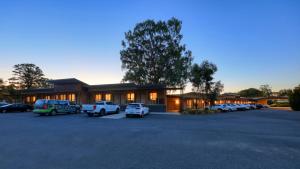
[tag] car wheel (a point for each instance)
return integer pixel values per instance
(102, 112)
(53, 112)
(117, 111)
(4, 111)
(142, 115)
(42, 114)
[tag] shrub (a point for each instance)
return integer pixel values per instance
(197, 111)
(294, 99)
(278, 104)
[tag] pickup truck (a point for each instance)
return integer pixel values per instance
(100, 108)
(53, 107)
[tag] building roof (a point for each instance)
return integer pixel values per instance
(38, 90)
(67, 81)
(124, 86)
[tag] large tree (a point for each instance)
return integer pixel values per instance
(251, 92)
(266, 90)
(285, 92)
(27, 76)
(294, 98)
(153, 53)
(201, 77)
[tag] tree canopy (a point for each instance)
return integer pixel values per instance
(27, 76)
(266, 90)
(251, 92)
(294, 98)
(285, 92)
(153, 53)
(201, 77)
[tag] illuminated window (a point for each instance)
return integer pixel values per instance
(98, 97)
(189, 103)
(72, 97)
(108, 97)
(47, 97)
(130, 96)
(62, 97)
(153, 96)
(177, 101)
(28, 99)
(33, 98)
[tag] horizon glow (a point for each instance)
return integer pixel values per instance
(252, 43)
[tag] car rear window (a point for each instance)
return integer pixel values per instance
(133, 105)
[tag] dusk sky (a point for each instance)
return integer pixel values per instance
(252, 42)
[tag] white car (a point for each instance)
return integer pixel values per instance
(100, 108)
(219, 107)
(232, 107)
(248, 107)
(136, 109)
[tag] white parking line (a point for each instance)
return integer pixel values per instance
(165, 113)
(114, 116)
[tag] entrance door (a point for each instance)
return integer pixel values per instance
(173, 104)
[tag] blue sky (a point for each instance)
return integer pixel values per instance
(252, 42)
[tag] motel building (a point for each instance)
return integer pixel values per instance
(158, 98)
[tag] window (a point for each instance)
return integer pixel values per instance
(47, 97)
(62, 97)
(33, 98)
(108, 97)
(98, 97)
(153, 96)
(130, 96)
(72, 97)
(28, 99)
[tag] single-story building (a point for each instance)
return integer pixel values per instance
(157, 97)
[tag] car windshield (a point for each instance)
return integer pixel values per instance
(52, 102)
(7, 105)
(40, 102)
(2, 104)
(100, 103)
(133, 105)
(63, 102)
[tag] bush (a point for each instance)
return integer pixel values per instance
(294, 99)
(198, 111)
(280, 105)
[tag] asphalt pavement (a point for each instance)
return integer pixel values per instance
(262, 139)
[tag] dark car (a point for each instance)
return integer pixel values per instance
(259, 106)
(16, 108)
(3, 104)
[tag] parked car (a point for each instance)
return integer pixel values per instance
(18, 107)
(259, 106)
(241, 107)
(53, 107)
(253, 106)
(248, 107)
(3, 104)
(136, 109)
(100, 108)
(232, 107)
(266, 106)
(219, 107)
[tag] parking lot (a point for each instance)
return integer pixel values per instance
(248, 139)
